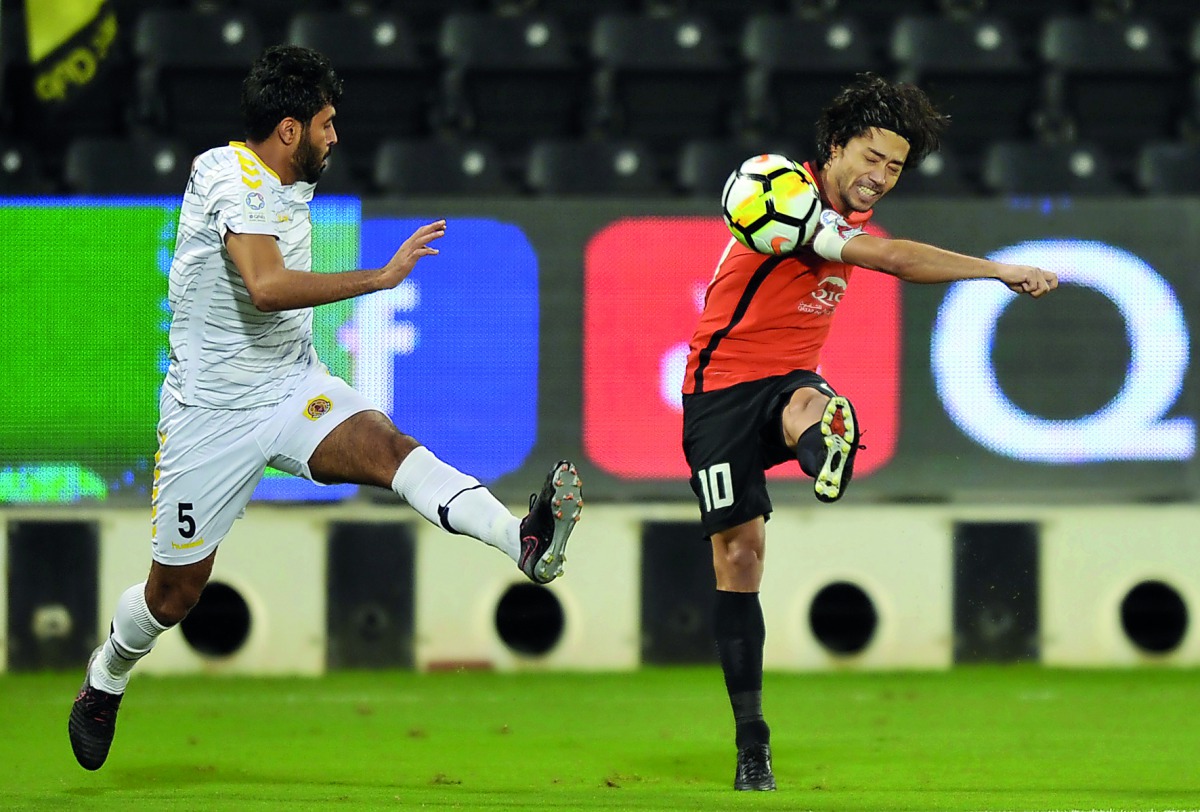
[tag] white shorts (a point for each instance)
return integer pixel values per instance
(210, 460)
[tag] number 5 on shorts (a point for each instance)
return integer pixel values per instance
(716, 482)
(187, 525)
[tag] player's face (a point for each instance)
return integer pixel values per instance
(864, 170)
(316, 143)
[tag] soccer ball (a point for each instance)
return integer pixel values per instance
(771, 204)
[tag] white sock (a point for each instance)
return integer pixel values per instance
(449, 498)
(134, 631)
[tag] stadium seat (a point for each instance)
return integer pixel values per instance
(795, 68)
(593, 168)
(425, 16)
(941, 174)
(273, 17)
(1115, 79)
(389, 89)
(126, 166)
(191, 72)
(729, 16)
(21, 172)
(877, 15)
(662, 80)
(442, 167)
(1168, 168)
(577, 16)
(1028, 18)
(1035, 168)
(705, 164)
(972, 68)
(1191, 117)
(510, 79)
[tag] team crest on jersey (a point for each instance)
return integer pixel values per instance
(318, 407)
(831, 219)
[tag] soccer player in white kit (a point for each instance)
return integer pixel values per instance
(245, 389)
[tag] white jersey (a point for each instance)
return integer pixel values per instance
(225, 352)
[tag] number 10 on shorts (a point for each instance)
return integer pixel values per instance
(716, 484)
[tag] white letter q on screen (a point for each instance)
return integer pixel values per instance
(1132, 426)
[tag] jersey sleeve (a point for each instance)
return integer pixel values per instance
(833, 234)
(239, 203)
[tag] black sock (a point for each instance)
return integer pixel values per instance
(741, 633)
(810, 450)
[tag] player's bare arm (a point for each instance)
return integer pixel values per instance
(273, 286)
(922, 263)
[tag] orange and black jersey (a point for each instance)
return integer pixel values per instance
(765, 315)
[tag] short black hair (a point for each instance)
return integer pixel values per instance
(286, 81)
(871, 101)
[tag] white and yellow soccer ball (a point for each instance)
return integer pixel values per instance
(771, 204)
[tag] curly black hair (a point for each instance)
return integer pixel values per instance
(286, 81)
(871, 101)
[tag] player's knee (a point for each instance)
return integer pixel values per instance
(170, 601)
(740, 560)
(174, 606)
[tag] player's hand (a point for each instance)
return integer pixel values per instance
(412, 249)
(1028, 279)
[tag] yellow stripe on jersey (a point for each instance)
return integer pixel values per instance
(251, 163)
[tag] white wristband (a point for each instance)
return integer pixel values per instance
(832, 235)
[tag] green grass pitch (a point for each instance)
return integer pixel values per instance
(972, 738)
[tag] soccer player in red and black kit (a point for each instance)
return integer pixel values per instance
(752, 397)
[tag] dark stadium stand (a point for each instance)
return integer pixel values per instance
(592, 167)
(440, 167)
(510, 79)
(113, 166)
(705, 164)
(577, 15)
(1036, 168)
(686, 78)
(191, 68)
(20, 170)
(973, 69)
(1168, 168)
(390, 91)
(1115, 79)
(941, 174)
(787, 84)
(662, 79)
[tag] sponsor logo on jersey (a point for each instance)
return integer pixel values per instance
(318, 407)
(254, 207)
(826, 297)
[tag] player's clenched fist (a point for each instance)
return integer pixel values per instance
(1028, 279)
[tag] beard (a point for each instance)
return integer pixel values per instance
(309, 163)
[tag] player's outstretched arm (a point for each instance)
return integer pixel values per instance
(273, 286)
(922, 263)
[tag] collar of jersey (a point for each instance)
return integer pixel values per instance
(242, 146)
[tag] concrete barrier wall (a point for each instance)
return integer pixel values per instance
(468, 596)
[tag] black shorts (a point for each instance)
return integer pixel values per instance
(731, 437)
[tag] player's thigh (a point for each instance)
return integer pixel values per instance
(328, 432)
(207, 466)
(721, 444)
